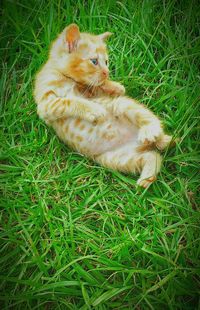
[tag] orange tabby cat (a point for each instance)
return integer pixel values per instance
(90, 113)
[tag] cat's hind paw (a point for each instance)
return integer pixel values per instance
(164, 141)
(145, 183)
(149, 133)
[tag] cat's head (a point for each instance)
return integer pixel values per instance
(81, 56)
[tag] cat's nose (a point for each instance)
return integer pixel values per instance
(105, 73)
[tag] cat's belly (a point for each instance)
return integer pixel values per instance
(95, 139)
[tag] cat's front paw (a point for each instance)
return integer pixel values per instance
(96, 114)
(113, 89)
(117, 90)
(149, 133)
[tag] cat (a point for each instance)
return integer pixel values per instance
(91, 113)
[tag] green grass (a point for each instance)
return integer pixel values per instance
(73, 234)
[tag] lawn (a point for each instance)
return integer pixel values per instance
(75, 235)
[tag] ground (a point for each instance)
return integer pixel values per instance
(75, 235)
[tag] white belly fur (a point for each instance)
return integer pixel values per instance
(96, 139)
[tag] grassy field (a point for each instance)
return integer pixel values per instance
(73, 234)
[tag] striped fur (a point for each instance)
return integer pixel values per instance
(91, 114)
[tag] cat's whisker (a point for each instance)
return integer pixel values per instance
(89, 87)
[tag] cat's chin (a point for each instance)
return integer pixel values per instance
(98, 84)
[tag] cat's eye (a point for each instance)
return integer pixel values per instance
(106, 62)
(94, 61)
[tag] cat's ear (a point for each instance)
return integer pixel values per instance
(72, 35)
(105, 35)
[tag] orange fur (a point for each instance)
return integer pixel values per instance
(101, 49)
(73, 33)
(90, 113)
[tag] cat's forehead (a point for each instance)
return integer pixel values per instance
(92, 44)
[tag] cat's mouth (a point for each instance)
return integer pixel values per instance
(96, 81)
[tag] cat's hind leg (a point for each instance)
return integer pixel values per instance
(128, 159)
(151, 166)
